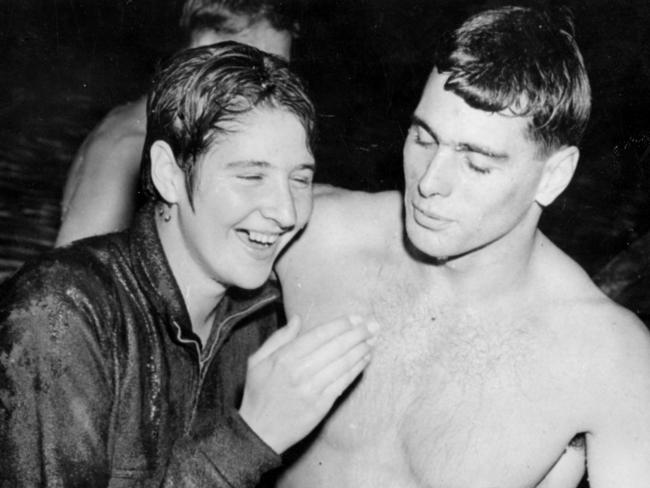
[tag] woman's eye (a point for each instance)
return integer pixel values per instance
(303, 180)
(302, 177)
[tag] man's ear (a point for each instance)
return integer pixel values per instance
(557, 173)
(166, 175)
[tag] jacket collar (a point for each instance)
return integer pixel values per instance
(159, 285)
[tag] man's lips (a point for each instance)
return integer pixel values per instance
(428, 219)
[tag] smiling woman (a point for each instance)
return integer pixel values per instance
(227, 153)
(252, 196)
(150, 356)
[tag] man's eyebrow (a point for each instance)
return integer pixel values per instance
(462, 146)
(468, 146)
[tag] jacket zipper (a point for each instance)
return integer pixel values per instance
(205, 359)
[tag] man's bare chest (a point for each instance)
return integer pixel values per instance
(452, 396)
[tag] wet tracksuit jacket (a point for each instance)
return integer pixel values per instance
(103, 383)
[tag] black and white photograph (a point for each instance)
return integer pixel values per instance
(325, 243)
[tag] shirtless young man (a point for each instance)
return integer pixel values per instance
(497, 355)
(100, 192)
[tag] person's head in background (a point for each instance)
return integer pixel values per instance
(269, 25)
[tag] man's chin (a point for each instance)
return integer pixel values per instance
(426, 251)
(439, 254)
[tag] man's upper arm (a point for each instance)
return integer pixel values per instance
(324, 225)
(99, 196)
(343, 223)
(54, 392)
(618, 444)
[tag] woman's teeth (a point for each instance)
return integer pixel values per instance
(261, 238)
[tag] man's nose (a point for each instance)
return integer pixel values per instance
(280, 207)
(438, 177)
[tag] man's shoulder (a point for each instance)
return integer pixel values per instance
(612, 332)
(570, 300)
(123, 120)
(334, 194)
(559, 280)
(344, 211)
(337, 195)
(598, 346)
(612, 351)
(608, 340)
(598, 356)
(346, 224)
(123, 127)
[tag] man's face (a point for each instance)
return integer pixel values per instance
(261, 35)
(252, 193)
(471, 176)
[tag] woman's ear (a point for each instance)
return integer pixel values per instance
(167, 176)
(557, 173)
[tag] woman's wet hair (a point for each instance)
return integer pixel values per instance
(199, 92)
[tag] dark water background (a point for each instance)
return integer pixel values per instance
(65, 63)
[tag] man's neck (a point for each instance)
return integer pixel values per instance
(499, 269)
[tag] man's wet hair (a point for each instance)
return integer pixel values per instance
(199, 92)
(523, 61)
(215, 15)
